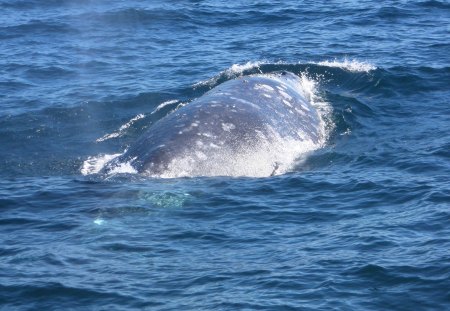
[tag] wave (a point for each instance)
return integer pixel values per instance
(191, 17)
(253, 67)
(37, 27)
(349, 65)
(434, 4)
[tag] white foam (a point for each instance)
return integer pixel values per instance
(239, 69)
(201, 155)
(352, 65)
(99, 221)
(93, 165)
(234, 71)
(164, 104)
(123, 168)
(121, 130)
(309, 88)
(264, 158)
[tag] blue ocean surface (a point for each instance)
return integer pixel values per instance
(361, 223)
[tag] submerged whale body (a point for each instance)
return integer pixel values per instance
(251, 126)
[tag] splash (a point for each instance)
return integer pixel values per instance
(275, 156)
(309, 89)
(121, 130)
(123, 168)
(350, 65)
(93, 165)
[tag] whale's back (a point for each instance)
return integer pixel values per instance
(235, 125)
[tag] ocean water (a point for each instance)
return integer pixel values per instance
(361, 223)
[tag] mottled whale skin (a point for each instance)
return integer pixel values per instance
(237, 116)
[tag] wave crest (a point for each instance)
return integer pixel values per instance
(349, 65)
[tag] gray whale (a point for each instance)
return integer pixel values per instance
(250, 126)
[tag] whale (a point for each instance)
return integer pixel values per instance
(253, 125)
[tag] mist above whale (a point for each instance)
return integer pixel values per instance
(254, 125)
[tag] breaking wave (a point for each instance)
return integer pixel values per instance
(254, 67)
(349, 65)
